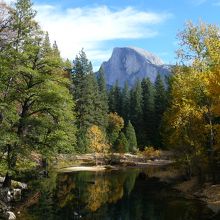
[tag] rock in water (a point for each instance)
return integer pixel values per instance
(17, 194)
(11, 215)
(130, 63)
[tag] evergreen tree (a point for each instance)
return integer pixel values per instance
(35, 101)
(111, 100)
(122, 145)
(131, 137)
(68, 68)
(89, 102)
(103, 98)
(136, 109)
(160, 107)
(125, 103)
(115, 99)
(88, 105)
(148, 112)
(81, 68)
(56, 49)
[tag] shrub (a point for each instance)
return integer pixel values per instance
(149, 151)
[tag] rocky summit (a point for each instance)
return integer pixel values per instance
(130, 63)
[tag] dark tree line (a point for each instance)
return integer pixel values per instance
(143, 105)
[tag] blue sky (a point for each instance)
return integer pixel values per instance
(100, 25)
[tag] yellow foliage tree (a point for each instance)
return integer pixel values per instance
(213, 85)
(115, 125)
(186, 130)
(190, 120)
(97, 140)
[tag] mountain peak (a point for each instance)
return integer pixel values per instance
(152, 58)
(131, 63)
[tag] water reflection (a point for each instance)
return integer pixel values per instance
(118, 195)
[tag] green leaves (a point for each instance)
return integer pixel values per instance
(35, 97)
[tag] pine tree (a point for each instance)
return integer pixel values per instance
(103, 98)
(160, 107)
(148, 112)
(89, 102)
(125, 103)
(136, 109)
(81, 70)
(131, 137)
(115, 99)
(122, 145)
(56, 49)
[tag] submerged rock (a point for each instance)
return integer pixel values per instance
(211, 195)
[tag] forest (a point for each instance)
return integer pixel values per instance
(51, 106)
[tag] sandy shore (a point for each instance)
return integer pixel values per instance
(83, 168)
(122, 165)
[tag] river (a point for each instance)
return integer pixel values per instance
(125, 194)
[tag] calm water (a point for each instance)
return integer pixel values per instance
(114, 195)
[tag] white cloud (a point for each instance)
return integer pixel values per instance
(92, 28)
(8, 1)
(198, 2)
(216, 3)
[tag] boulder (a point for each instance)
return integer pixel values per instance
(17, 194)
(6, 195)
(10, 215)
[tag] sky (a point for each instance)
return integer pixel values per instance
(100, 25)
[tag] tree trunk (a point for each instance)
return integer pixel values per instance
(7, 181)
(211, 148)
(11, 163)
(96, 162)
(45, 166)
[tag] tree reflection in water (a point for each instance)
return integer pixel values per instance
(128, 194)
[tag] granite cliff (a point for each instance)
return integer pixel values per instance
(130, 63)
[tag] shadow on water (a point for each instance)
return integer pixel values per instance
(128, 194)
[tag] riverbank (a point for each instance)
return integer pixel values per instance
(9, 196)
(113, 159)
(193, 188)
(206, 192)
